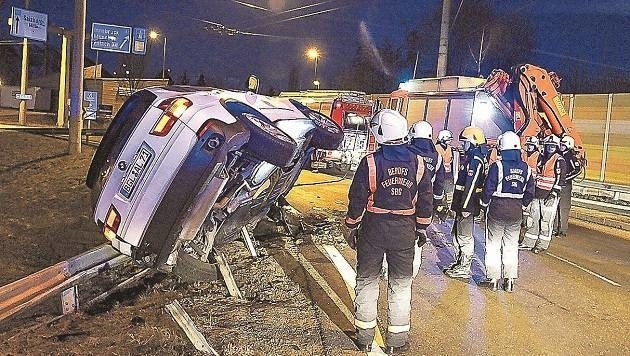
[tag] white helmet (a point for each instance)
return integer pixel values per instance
(532, 140)
(508, 141)
(552, 140)
(421, 129)
(568, 141)
(389, 127)
(445, 136)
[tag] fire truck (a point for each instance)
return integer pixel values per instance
(352, 110)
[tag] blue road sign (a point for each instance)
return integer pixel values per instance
(110, 38)
(91, 98)
(139, 41)
(29, 24)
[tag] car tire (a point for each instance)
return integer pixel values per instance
(328, 134)
(190, 269)
(266, 142)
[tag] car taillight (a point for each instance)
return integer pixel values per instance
(112, 221)
(173, 110)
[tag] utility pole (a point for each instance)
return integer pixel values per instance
(444, 29)
(76, 95)
(24, 77)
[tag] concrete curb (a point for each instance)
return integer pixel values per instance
(600, 220)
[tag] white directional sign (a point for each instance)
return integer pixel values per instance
(29, 24)
(111, 38)
(24, 96)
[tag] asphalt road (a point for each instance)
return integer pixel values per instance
(573, 300)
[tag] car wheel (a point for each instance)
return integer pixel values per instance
(266, 142)
(328, 135)
(191, 269)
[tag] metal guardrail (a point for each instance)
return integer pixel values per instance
(54, 130)
(614, 192)
(63, 277)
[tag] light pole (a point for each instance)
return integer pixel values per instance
(154, 35)
(313, 53)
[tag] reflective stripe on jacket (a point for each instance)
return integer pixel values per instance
(469, 183)
(531, 160)
(547, 178)
(389, 199)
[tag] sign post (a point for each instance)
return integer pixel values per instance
(27, 24)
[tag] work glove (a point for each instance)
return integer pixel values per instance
(525, 211)
(441, 211)
(550, 199)
(421, 237)
(465, 214)
(351, 237)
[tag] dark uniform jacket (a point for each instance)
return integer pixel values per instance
(574, 167)
(508, 188)
(469, 183)
(390, 198)
(433, 163)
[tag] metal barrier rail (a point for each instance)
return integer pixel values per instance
(614, 192)
(63, 277)
(55, 130)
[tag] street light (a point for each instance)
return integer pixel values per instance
(154, 35)
(313, 53)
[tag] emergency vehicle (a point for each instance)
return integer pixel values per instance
(352, 110)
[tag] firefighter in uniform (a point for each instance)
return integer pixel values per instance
(390, 206)
(466, 201)
(542, 210)
(574, 168)
(450, 160)
(531, 153)
(421, 136)
(509, 187)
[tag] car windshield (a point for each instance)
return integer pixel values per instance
(354, 121)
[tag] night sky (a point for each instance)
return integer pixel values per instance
(592, 31)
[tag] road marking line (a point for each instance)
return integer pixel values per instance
(349, 277)
(585, 270)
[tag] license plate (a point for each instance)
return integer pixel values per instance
(141, 162)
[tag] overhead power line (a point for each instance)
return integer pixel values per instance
(579, 60)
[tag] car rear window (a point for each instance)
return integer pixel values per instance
(119, 131)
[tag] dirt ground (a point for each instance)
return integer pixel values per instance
(45, 218)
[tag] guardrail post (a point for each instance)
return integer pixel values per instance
(602, 173)
(70, 300)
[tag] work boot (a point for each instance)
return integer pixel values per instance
(522, 246)
(561, 234)
(509, 285)
(392, 350)
(460, 269)
(537, 250)
(494, 284)
(365, 348)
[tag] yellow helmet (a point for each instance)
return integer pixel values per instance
(474, 135)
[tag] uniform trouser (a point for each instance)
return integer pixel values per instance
(542, 217)
(417, 261)
(449, 187)
(564, 208)
(502, 248)
(463, 240)
(399, 265)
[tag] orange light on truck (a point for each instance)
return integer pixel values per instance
(112, 222)
(174, 109)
